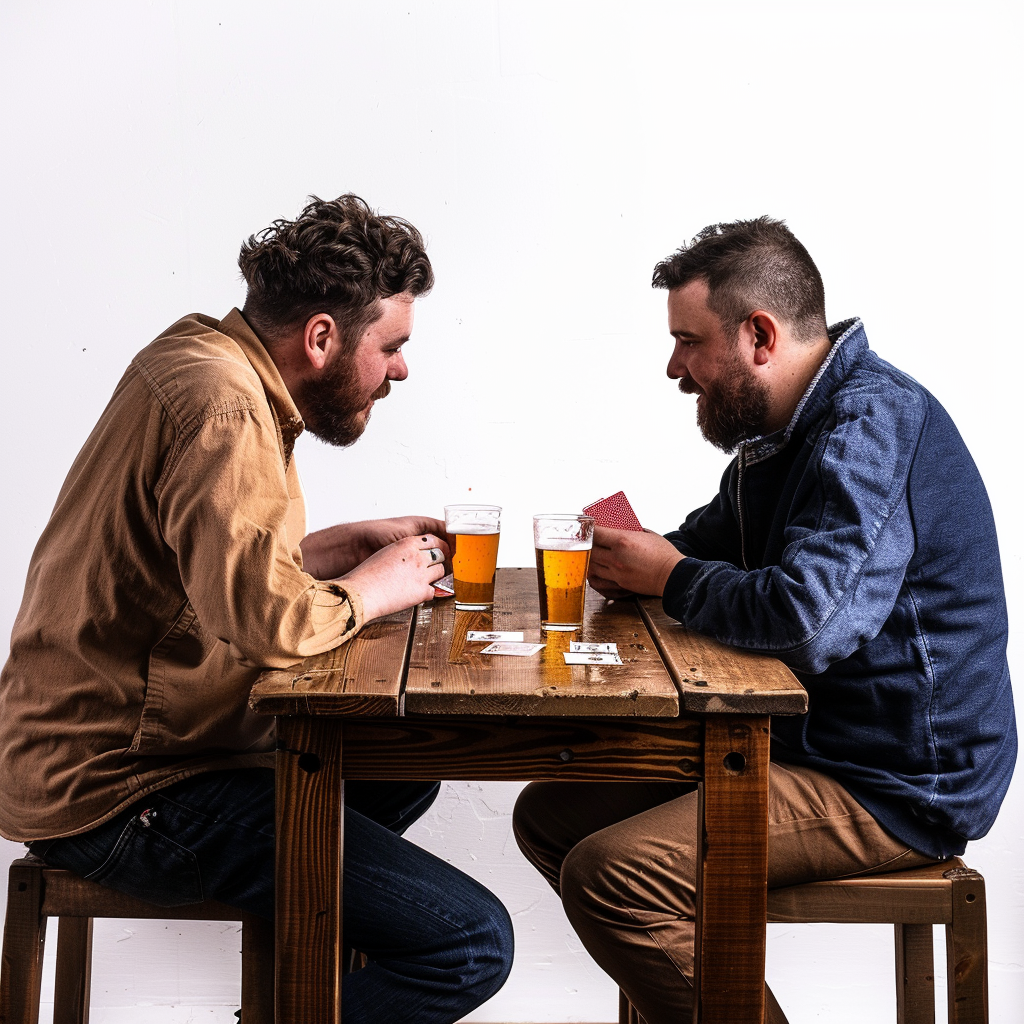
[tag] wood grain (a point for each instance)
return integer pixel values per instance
(21, 974)
(448, 675)
(967, 949)
(918, 896)
(257, 970)
(361, 677)
(915, 974)
(73, 978)
(481, 748)
(308, 909)
(732, 874)
(715, 678)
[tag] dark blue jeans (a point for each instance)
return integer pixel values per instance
(438, 943)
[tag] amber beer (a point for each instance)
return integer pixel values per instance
(473, 532)
(474, 557)
(563, 544)
(562, 579)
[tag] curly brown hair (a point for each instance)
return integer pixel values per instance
(337, 257)
(751, 264)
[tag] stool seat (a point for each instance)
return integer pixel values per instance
(36, 892)
(949, 894)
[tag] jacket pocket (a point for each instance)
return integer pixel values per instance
(150, 866)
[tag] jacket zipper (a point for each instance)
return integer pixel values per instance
(739, 507)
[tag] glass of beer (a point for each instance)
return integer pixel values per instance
(473, 539)
(563, 544)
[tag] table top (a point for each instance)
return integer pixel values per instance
(420, 662)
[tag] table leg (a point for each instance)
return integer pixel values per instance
(732, 874)
(310, 818)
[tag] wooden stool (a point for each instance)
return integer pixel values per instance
(912, 901)
(36, 892)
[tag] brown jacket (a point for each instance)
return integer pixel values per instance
(168, 575)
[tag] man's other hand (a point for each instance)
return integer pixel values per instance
(625, 563)
(400, 575)
(328, 554)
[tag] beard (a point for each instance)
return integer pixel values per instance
(334, 406)
(734, 408)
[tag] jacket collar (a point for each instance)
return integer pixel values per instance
(289, 422)
(849, 342)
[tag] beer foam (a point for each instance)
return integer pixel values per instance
(473, 529)
(569, 544)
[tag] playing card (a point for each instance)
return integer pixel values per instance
(445, 586)
(478, 635)
(579, 658)
(614, 511)
(584, 647)
(516, 650)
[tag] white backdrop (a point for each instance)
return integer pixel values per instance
(552, 153)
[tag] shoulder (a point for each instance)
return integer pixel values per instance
(877, 399)
(196, 372)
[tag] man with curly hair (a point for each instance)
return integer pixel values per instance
(852, 538)
(176, 566)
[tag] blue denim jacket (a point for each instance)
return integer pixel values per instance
(858, 546)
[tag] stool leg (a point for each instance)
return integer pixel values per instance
(627, 1011)
(257, 970)
(915, 974)
(967, 949)
(74, 971)
(21, 970)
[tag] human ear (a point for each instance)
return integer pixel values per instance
(319, 338)
(764, 333)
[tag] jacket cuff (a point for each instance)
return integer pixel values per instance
(338, 606)
(675, 600)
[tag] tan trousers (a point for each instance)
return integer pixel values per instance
(621, 856)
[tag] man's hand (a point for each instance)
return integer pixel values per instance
(399, 575)
(626, 562)
(328, 554)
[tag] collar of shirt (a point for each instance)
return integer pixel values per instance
(289, 422)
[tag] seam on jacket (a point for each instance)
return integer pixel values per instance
(930, 672)
(161, 396)
(876, 534)
(183, 440)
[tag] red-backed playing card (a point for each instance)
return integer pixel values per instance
(615, 511)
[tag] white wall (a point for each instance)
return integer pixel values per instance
(552, 153)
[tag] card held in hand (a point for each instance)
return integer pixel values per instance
(615, 512)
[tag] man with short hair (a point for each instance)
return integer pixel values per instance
(176, 566)
(851, 538)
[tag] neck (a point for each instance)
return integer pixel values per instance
(792, 380)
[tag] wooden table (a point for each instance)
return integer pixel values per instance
(410, 698)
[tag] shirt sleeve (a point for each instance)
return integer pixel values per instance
(223, 504)
(848, 540)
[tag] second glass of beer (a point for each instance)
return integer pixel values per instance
(473, 538)
(563, 544)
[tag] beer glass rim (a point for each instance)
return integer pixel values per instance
(478, 508)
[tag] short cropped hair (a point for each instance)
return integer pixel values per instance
(748, 265)
(337, 257)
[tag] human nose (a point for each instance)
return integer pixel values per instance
(397, 370)
(676, 368)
